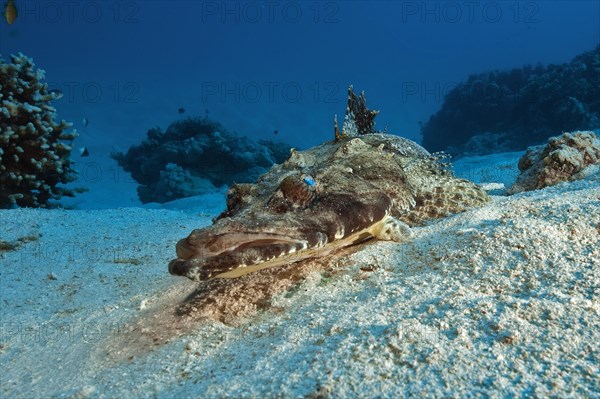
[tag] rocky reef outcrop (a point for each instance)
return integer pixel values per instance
(34, 148)
(511, 110)
(195, 156)
(570, 156)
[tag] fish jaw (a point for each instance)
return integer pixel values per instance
(230, 248)
(284, 250)
(258, 255)
(235, 254)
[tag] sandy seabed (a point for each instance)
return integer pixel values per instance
(499, 301)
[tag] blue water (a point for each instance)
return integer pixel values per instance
(73, 285)
(279, 69)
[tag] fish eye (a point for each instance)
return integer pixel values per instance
(309, 180)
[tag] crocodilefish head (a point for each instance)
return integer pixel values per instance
(249, 242)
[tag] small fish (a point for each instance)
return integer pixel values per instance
(181, 110)
(275, 131)
(10, 12)
(85, 122)
(83, 152)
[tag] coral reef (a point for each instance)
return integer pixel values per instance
(34, 149)
(483, 144)
(280, 151)
(175, 182)
(195, 156)
(567, 157)
(522, 107)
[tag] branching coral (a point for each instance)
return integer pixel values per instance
(564, 158)
(524, 106)
(34, 149)
(174, 182)
(195, 156)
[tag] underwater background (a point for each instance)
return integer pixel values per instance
(277, 71)
(148, 111)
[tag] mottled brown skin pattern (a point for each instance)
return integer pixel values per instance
(562, 159)
(358, 182)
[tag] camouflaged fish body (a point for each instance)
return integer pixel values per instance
(334, 195)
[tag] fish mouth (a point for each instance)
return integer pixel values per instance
(202, 257)
(195, 246)
(234, 247)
